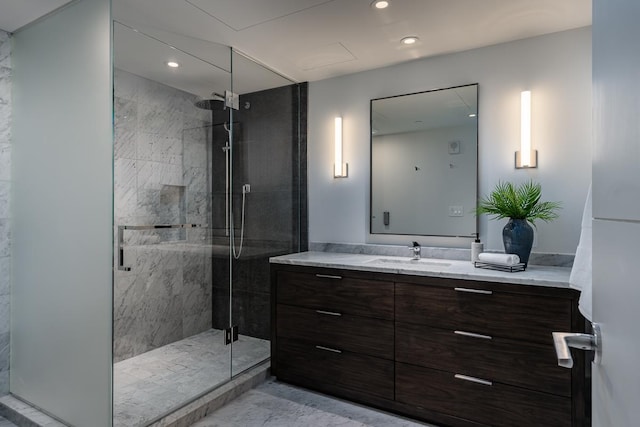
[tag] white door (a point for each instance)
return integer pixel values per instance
(616, 211)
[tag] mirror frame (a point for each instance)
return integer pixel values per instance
(477, 165)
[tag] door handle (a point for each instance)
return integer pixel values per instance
(563, 340)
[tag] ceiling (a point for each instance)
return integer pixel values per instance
(307, 40)
(16, 14)
(310, 40)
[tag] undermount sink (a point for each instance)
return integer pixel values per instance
(409, 262)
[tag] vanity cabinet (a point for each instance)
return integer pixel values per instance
(450, 351)
(334, 332)
(481, 353)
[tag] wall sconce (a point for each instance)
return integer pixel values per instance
(340, 170)
(526, 158)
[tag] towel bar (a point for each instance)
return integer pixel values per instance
(120, 237)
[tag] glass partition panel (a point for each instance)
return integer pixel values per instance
(209, 183)
(169, 181)
(62, 214)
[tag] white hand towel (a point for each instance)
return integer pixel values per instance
(581, 273)
(503, 259)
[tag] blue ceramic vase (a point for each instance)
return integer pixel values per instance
(517, 237)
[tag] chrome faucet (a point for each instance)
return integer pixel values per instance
(416, 248)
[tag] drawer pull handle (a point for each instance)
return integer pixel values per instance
(328, 276)
(474, 291)
(471, 334)
(328, 313)
(332, 350)
(472, 379)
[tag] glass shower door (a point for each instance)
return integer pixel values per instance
(265, 207)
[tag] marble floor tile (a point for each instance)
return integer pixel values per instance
(275, 404)
(23, 414)
(152, 384)
(6, 423)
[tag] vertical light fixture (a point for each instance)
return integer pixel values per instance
(526, 157)
(340, 170)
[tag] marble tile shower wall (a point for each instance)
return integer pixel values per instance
(5, 190)
(160, 177)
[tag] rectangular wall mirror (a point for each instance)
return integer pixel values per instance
(424, 163)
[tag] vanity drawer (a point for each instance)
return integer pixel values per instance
(518, 363)
(483, 311)
(308, 365)
(341, 331)
(496, 405)
(369, 298)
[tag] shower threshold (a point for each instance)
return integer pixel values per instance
(148, 386)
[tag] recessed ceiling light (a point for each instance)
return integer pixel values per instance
(409, 40)
(380, 4)
(172, 64)
(472, 115)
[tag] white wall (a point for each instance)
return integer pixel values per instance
(556, 68)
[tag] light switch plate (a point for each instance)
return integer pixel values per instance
(454, 147)
(456, 211)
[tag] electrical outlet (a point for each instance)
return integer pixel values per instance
(246, 188)
(456, 211)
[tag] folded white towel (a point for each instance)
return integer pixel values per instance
(503, 259)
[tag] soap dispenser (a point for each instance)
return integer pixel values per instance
(476, 248)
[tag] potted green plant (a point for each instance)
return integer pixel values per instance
(522, 205)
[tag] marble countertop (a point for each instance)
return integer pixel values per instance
(537, 275)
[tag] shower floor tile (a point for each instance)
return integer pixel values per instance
(149, 385)
(275, 404)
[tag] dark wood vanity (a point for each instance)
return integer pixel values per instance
(448, 351)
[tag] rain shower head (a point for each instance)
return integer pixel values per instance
(213, 102)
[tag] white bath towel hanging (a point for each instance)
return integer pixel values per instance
(581, 273)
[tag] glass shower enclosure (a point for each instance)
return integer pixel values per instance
(207, 186)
